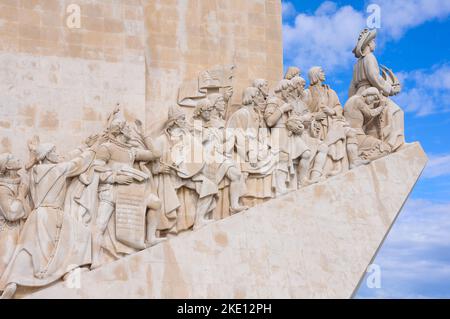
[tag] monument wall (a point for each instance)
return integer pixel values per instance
(61, 82)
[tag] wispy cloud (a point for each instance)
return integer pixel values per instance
(425, 91)
(438, 165)
(288, 10)
(397, 16)
(415, 258)
(324, 38)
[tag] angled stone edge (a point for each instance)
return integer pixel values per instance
(312, 243)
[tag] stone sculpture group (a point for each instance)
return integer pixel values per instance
(122, 190)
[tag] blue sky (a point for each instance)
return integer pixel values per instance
(413, 40)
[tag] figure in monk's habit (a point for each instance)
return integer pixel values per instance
(52, 243)
(218, 165)
(363, 112)
(324, 104)
(14, 206)
(366, 73)
(187, 194)
(128, 209)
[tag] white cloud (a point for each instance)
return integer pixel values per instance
(425, 92)
(288, 10)
(328, 36)
(437, 166)
(415, 258)
(325, 38)
(397, 16)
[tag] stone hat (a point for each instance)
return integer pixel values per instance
(364, 39)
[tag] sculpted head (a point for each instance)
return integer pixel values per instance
(292, 72)
(263, 87)
(366, 43)
(249, 96)
(9, 162)
(316, 75)
(176, 119)
(203, 110)
(371, 96)
(284, 88)
(298, 84)
(217, 102)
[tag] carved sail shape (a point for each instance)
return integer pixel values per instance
(315, 242)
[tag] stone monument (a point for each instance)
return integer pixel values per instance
(167, 158)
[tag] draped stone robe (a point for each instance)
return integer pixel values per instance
(52, 242)
(12, 211)
(187, 187)
(250, 138)
(333, 128)
(366, 73)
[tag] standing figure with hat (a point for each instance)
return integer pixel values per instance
(366, 74)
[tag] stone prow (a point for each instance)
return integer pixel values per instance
(315, 242)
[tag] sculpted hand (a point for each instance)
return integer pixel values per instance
(164, 169)
(123, 179)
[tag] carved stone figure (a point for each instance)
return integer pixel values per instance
(187, 194)
(125, 192)
(14, 206)
(249, 137)
(218, 166)
(262, 94)
(324, 103)
(302, 122)
(292, 149)
(52, 243)
(366, 73)
(363, 113)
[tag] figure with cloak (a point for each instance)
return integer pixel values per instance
(366, 73)
(363, 113)
(14, 206)
(249, 138)
(52, 243)
(188, 196)
(219, 168)
(128, 208)
(324, 104)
